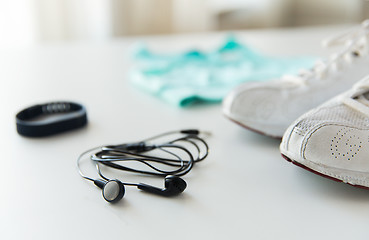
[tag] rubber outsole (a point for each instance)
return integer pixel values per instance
(252, 129)
(321, 174)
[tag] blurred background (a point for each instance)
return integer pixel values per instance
(28, 22)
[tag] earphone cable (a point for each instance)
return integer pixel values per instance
(141, 152)
(184, 167)
(79, 160)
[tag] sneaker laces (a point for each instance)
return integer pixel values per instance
(354, 99)
(356, 44)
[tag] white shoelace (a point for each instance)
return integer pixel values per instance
(355, 41)
(356, 102)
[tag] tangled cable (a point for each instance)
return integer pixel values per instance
(169, 158)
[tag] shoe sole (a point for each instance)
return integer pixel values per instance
(252, 129)
(321, 174)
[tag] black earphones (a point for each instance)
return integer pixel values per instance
(112, 190)
(170, 159)
(173, 185)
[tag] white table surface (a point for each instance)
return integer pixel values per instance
(243, 190)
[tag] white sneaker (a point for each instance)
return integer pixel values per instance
(332, 140)
(270, 107)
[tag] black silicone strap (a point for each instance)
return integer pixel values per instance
(36, 121)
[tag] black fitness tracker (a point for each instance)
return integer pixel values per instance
(50, 118)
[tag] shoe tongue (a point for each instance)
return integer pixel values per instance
(364, 99)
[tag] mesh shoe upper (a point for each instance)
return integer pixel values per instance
(333, 135)
(270, 107)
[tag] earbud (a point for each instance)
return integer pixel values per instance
(173, 186)
(112, 190)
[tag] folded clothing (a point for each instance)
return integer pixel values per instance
(200, 77)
